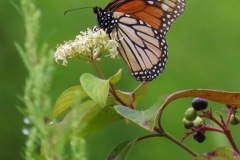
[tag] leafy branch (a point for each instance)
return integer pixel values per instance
(100, 104)
(102, 91)
(102, 97)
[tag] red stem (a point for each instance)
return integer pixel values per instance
(217, 122)
(231, 140)
(203, 128)
(131, 101)
(212, 129)
(114, 94)
(225, 129)
(230, 112)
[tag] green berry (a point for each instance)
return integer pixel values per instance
(197, 123)
(190, 114)
(187, 124)
(234, 119)
(199, 104)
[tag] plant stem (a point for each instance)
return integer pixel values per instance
(224, 127)
(227, 132)
(180, 144)
(217, 122)
(113, 91)
(163, 133)
(231, 140)
(230, 112)
(206, 128)
(98, 69)
(147, 136)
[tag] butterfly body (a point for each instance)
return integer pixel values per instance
(141, 26)
(105, 19)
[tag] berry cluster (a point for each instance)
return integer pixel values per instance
(192, 121)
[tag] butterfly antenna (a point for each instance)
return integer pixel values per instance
(75, 9)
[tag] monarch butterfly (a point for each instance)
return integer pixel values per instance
(141, 26)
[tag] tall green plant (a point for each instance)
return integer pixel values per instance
(37, 101)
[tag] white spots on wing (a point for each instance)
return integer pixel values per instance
(165, 7)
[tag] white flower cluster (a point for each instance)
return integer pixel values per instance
(88, 45)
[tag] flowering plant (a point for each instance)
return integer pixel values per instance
(88, 45)
(98, 103)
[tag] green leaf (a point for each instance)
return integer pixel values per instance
(136, 94)
(94, 116)
(74, 121)
(121, 151)
(124, 96)
(141, 90)
(17, 7)
(91, 115)
(220, 153)
(103, 117)
(115, 78)
(111, 101)
(145, 119)
(83, 111)
(67, 99)
(24, 57)
(96, 88)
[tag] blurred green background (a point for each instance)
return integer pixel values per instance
(204, 48)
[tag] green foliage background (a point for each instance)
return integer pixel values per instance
(204, 47)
